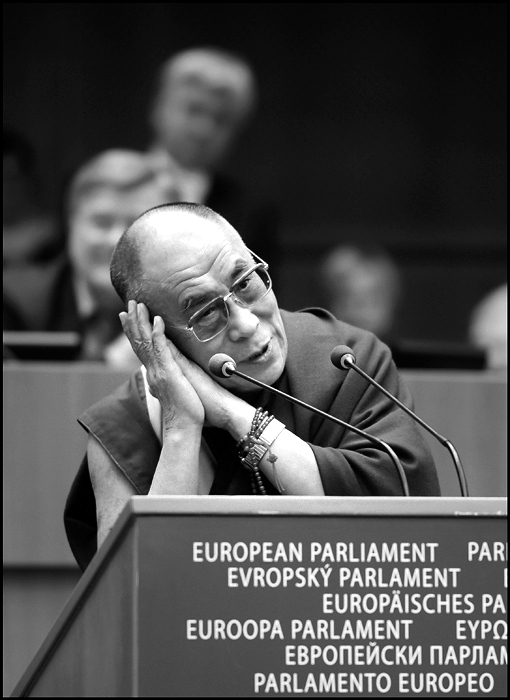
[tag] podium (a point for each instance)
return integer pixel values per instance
(243, 596)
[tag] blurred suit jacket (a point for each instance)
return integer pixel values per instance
(254, 218)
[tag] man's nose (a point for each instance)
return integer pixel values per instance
(243, 322)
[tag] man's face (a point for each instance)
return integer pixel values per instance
(96, 225)
(366, 299)
(195, 269)
(196, 122)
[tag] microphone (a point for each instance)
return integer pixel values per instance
(344, 358)
(221, 365)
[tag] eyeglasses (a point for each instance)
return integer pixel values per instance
(213, 318)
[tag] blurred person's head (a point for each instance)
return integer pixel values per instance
(203, 98)
(104, 198)
(488, 327)
(362, 287)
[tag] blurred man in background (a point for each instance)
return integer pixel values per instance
(362, 287)
(204, 99)
(105, 196)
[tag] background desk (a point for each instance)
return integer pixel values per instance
(43, 446)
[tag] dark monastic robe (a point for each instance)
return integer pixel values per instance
(349, 464)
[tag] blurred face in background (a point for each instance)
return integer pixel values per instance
(199, 110)
(97, 222)
(362, 288)
(196, 124)
(367, 301)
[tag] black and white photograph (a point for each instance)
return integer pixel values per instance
(255, 349)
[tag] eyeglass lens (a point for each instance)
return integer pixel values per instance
(213, 318)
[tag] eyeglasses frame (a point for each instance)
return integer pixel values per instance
(261, 263)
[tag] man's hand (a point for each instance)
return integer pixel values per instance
(180, 403)
(175, 380)
(222, 408)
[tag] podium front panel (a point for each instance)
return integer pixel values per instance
(270, 596)
(92, 648)
(254, 605)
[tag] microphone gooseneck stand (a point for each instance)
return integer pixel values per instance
(228, 368)
(345, 359)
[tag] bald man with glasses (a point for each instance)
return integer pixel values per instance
(192, 289)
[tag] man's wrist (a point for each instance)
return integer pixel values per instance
(178, 425)
(238, 418)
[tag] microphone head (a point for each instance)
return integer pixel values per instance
(221, 365)
(343, 357)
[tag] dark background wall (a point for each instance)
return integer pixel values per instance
(385, 121)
